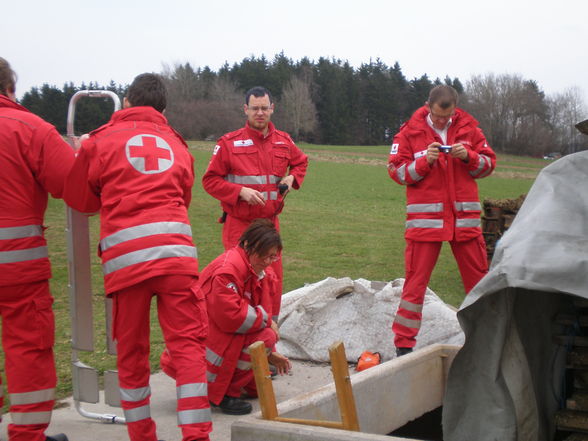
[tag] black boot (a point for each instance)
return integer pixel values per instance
(403, 351)
(58, 437)
(234, 406)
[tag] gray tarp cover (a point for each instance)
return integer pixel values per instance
(505, 383)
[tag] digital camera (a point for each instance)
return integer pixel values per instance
(444, 148)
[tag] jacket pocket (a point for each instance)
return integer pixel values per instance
(44, 322)
(281, 160)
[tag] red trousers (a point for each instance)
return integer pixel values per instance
(242, 378)
(233, 228)
(420, 259)
(28, 333)
(183, 320)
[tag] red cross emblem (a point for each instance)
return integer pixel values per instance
(149, 154)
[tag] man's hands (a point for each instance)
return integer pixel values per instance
(251, 196)
(457, 151)
(289, 181)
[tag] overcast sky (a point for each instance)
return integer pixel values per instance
(81, 41)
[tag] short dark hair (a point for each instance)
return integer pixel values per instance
(258, 92)
(148, 89)
(260, 237)
(444, 96)
(7, 78)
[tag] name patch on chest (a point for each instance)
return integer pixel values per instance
(243, 143)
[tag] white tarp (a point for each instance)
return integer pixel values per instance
(359, 313)
(506, 381)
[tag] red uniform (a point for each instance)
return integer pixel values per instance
(139, 173)
(246, 158)
(34, 161)
(239, 306)
(442, 205)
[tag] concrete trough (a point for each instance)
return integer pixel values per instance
(387, 397)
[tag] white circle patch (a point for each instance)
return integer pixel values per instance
(149, 154)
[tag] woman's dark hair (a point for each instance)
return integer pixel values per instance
(260, 237)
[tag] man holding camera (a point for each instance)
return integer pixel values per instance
(438, 154)
(251, 171)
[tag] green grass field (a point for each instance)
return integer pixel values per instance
(347, 220)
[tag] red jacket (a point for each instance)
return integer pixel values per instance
(238, 303)
(139, 173)
(247, 158)
(442, 199)
(34, 161)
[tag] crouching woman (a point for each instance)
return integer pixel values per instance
(238, 287)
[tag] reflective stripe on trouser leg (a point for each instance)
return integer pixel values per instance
(243, 373)
(184, 323)
(419, 259)
(131, 308)
(28, 337)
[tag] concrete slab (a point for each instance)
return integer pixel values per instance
(305, 378)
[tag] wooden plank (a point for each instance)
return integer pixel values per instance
(263, 381)
(571, 420)
(578, 400)
(343, 387)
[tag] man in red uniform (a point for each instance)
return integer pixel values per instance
(438, 154)
(251, 171)
(34, 161)
(238, 288)
(139, 173)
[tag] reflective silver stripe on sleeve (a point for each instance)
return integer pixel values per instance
(213, 358)
(274, 179)
(137, 414)
(247, 180)
(38, 396)
(194, 416)
(210, 377)
(424, 223)
(409, 306)
(468, 206)
(135, 395)
(192, 390)
(415, 324)
(275, 318)
(401, 173)
(488, 170)
(20, 232)
(244, 365)
(148, 254)
(23, 255)
(145, 230)
(249, 320)
(468, 223)
(413, 173)
(22, 418)
(264, 315)
(484, 162)
(425, 208)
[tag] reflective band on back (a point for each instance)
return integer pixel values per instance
(247, 180)
(213, 358)
(20, 232)
(468, 223)
(38, 396)
(424, 223)
(244, 365)
(194, 416)
(415, 324)
(468, 206)
(144, 231)
(23, 255)
(413, 307)
(249, 320)
(148, 254)
(137, 414)
(21, 418)
(135, 395)
(210, 377)
(192, 390)
(425, 208)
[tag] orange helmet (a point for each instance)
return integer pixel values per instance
(367, 360)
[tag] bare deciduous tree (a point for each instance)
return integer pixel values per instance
(567, 109)
(297, 113)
